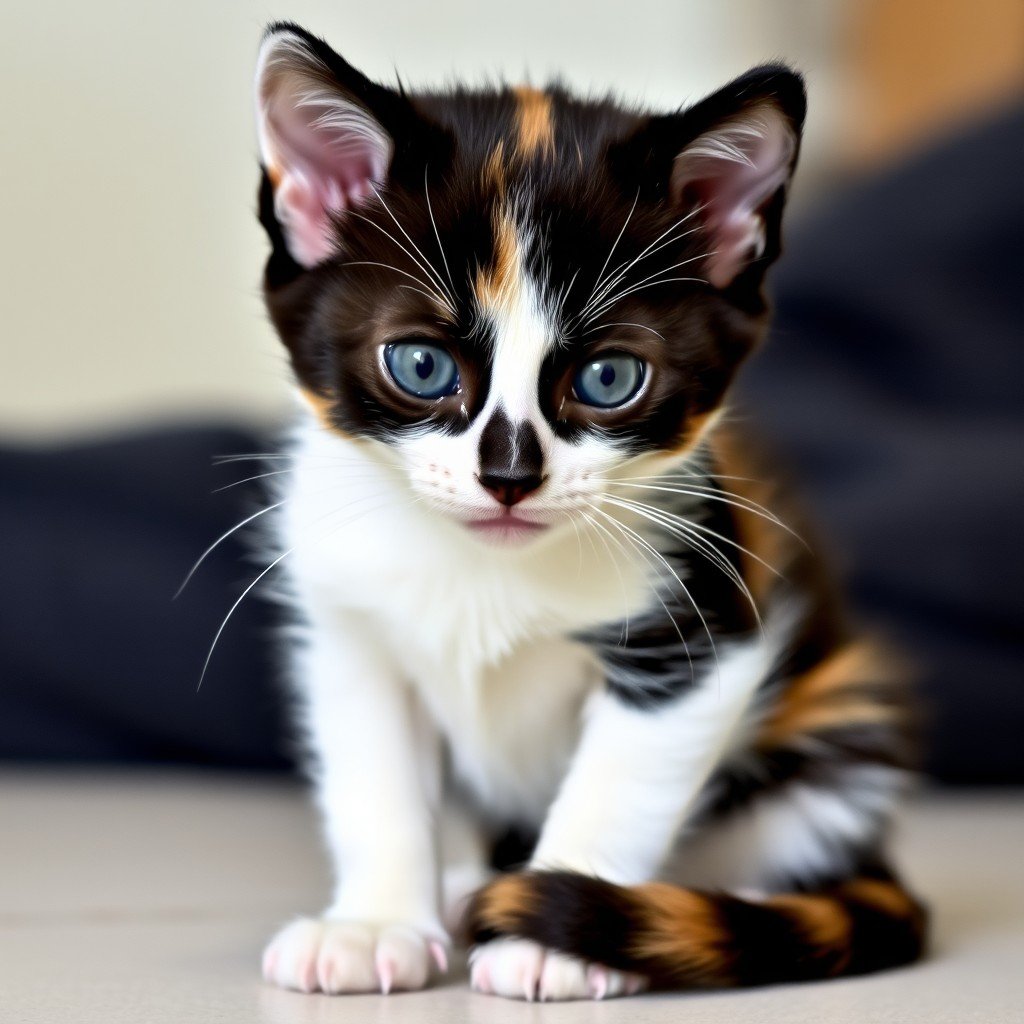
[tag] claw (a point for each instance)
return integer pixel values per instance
(324, 973)
(270, 963)
(480, 979)
(386, 974)
(529, 989)
(309, 979)
(440, 955)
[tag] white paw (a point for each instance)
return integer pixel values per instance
(519, 969)
(317, 955)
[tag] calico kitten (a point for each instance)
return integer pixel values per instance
(549, 621)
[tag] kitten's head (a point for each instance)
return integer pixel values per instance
(510, 295)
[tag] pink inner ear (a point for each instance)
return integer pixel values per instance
(323, 152)
(732, 172)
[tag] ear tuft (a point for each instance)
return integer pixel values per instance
(731, 172)
(323, 150)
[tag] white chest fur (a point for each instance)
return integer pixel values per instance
(482, 633)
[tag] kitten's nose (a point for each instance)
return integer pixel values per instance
(510, 490)
(511, 459)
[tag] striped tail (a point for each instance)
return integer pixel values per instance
(681, 938)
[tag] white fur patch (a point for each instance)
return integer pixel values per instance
(364, 725)
(800, 831)
(524, 330)
(478, 632)
(337, 957)
(637, 773)
(520, 969)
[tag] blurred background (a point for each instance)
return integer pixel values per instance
(135, 347)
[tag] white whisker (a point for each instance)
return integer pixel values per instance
(719, 536)
(643, 327)
(654, 590)
(688, 532)
(702, 493)
(623, 269)
(430, 295)
(429, 268)
(437, 234)
(223, 537)
(618, 296)
(249, 479)
(429, 284)
(276, 562)
(611, 252)
(412, 277)
(624, 632)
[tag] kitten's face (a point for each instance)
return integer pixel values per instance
(515, 297)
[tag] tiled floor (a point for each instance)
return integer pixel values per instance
(145, 898)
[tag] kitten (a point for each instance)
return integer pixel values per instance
(548, 622)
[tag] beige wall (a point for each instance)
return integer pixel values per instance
(130, 254)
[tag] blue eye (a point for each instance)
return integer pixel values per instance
(423, 370)
(609, 381)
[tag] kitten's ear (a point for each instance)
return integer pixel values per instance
(323, 141)
(731, 158)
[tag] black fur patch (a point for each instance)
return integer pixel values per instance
(602, 184)
(511, 460)
(512, 848)
(880, 940)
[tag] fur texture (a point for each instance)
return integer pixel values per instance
(540, 595)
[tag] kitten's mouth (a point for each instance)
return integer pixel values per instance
(506, 526)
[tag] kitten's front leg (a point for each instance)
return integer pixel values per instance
(378, 782)
(632, 783)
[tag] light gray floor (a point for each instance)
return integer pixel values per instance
(146, 898)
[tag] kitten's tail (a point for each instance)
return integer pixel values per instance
(682, 938)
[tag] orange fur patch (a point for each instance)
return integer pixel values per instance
(824, 921)
(888, 897)
(759, 535)
(680, 929)
(493, 174)
(829, 696)
(697, 427)
(536, 127)
(694, 430)
(505, 902)
(497, 286)
(321, 406)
